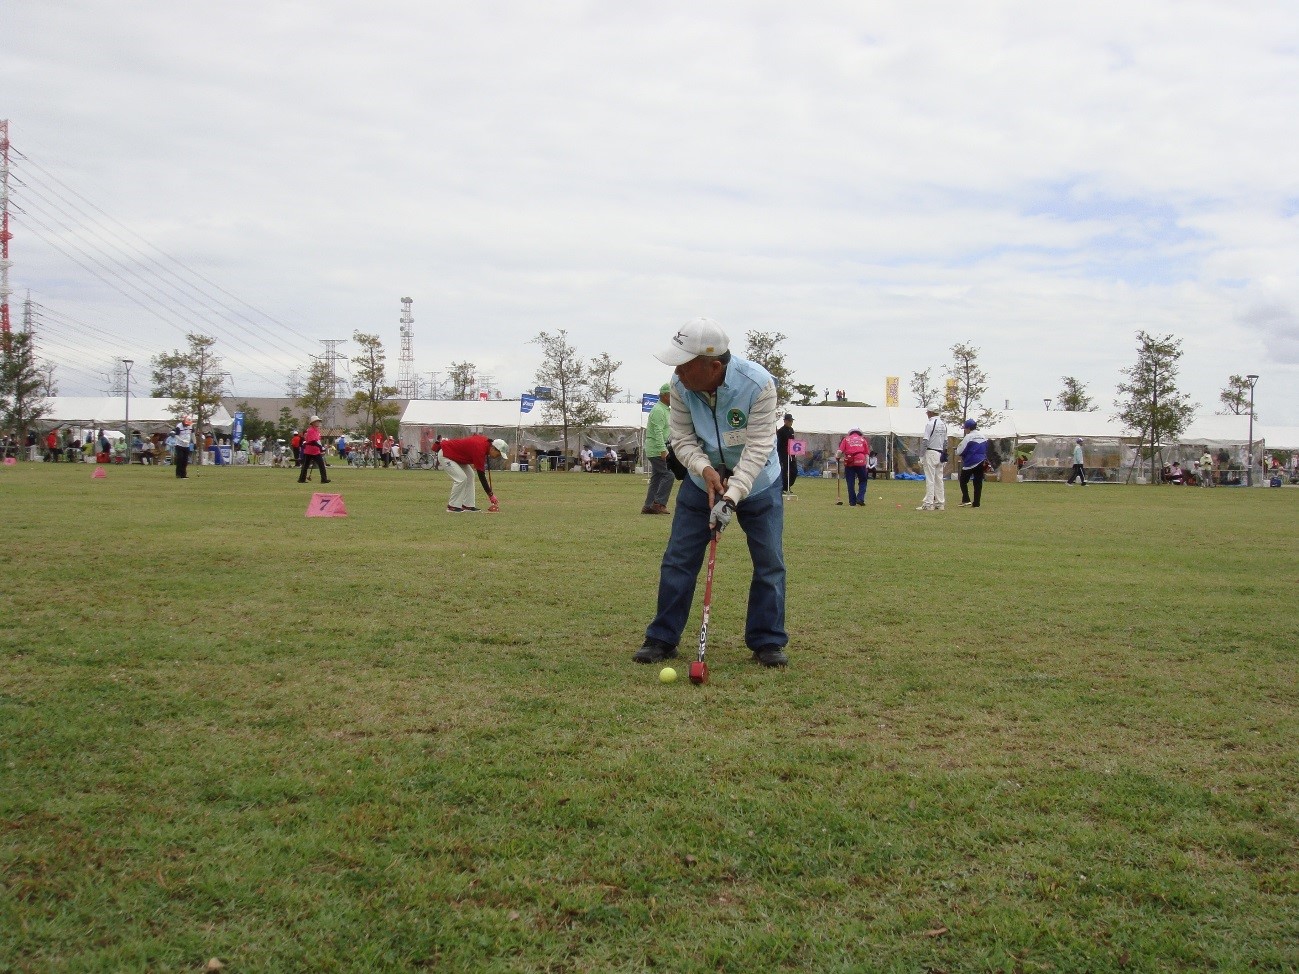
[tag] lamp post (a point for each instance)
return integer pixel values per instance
(1249, 474)
(128, 363)
(1046, 404)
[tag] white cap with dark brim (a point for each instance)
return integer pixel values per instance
(698, 336)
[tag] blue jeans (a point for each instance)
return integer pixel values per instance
(857, 496)
(762, 517)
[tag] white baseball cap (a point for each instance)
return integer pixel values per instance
(698, 336)
(502, 447)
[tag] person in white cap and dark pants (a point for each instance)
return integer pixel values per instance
(313, 452)
(723, 430)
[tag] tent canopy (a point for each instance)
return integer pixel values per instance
(110, 411)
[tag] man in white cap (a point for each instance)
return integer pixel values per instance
(723, 430)
(935, 454)
(182, 440)
(1077, 469)
(461, 459)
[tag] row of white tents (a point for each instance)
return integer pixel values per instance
(1046, 436)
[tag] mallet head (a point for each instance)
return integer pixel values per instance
(698, 672)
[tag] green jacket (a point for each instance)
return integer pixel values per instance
(656, 430)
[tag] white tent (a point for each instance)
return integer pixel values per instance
(110, 412)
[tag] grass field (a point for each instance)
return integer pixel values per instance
(1057, 733)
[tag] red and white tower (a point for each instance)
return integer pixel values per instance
(406, 386)
(5, 235)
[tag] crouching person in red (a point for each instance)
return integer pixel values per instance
(461, 459)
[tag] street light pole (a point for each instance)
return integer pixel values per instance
(128, 363)
(1046, 403)
(1249, 474)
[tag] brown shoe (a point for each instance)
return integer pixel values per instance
(658, 509)
(647, 510)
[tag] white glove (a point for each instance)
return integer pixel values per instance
(721, 514)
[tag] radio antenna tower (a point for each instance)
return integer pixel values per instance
(5, 235)
(406, 387)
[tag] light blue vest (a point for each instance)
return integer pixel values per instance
(735, 397)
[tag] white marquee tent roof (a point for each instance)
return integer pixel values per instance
(110, 411)
(871, 420)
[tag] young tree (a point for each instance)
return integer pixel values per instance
(601, 377)
(372, 401)
(317, 392)
(573, 404)
(967, 385)
(1150, 403)
(763, 347)
(462, 378)
(923, 389)
(806, 393)
(194, 378)
(169, 376)
(21, 379)
(1235, 397)
(1073, 397)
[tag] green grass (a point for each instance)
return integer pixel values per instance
(1054, 734)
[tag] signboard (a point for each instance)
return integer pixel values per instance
(891, 390)
(797, 448)
(237, 430)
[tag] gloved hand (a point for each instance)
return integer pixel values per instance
(721, 514)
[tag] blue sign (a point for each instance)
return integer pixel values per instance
(526, 403)
(648, 400)
(237, 431)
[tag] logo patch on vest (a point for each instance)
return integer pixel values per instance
(736, 418)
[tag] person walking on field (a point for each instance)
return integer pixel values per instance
(464, 457)
(183, 437)
(972, 453)
(656, 448)
(935, 453)
(788, 465)
(723, 424)
(313, 452)
(1077, 469)
(855, 450)
(1206, 469)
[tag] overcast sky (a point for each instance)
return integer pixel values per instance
(877, 181)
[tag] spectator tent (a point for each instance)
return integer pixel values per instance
(109, 413)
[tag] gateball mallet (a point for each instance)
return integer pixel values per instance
(838, 478)
(698, 668)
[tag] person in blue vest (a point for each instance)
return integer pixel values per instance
(722, 428)
(971, 453)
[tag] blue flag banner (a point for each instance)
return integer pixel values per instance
(647, 401)
(526, 403)
(237, 431)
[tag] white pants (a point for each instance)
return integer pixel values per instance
(462, 476)
(935, 489)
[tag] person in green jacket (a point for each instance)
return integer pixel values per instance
(656, 448)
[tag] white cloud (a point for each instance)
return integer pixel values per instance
(875, 181)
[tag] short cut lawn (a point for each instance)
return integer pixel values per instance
(1057, 733)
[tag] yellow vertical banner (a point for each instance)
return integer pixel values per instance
(951, 393)
(890, 390)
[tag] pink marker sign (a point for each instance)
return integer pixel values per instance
(326, 505)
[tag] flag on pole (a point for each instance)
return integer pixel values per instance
(648, 400)
(526, 402)
(891, 390)
(797, 448)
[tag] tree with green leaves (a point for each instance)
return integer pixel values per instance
(1073, 397)
(601, 374)
(22, 401)
(573, 405)
(194, 378)
(806, 393)
(463, 378)
(1235, 397)
(374, 399)
(1150, 404)
(923, 388)
(967, 386)
(318, 391)
(763, 347)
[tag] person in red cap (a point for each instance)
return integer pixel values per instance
(466, 456)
